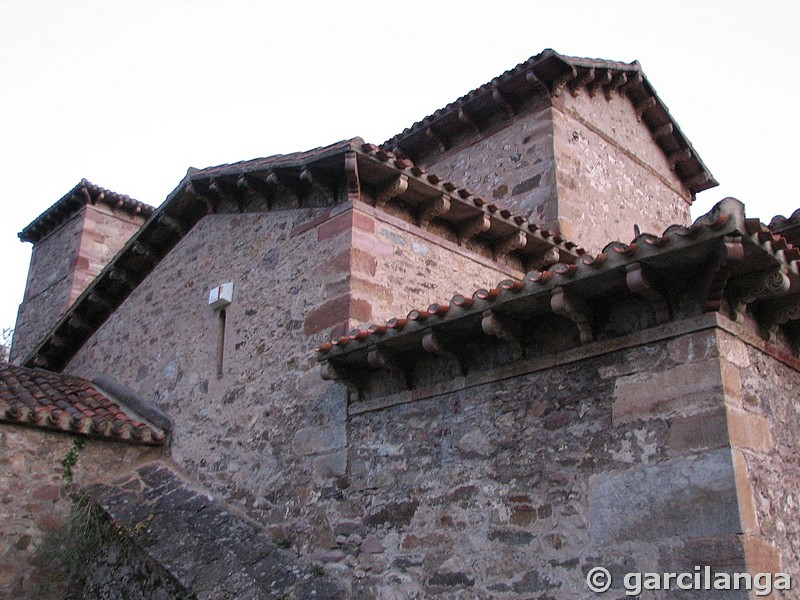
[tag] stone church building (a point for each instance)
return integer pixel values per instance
(476, 361)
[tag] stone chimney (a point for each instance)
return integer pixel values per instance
(72, 241)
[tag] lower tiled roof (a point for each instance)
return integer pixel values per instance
(55, 401)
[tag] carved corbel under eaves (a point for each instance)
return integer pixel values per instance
(515, 241)
(396, 187)
(98, 301)
(464, 117)
(437, 138)
(433, 343)
(574, 308)
(640, 284)
(584, 77)
(144, 251)
(562, 81)
(317, 180)
(503, 328)
(715, 278)
(432, 209)
(225, 192)
(773, 283)
(284, 185)
(339, 375)
(351, 175)
(172, 224)
(501, 101)
(472, 227)
(618, 82)
(193, 193)
(781, 316)
(599, 81)
(118, 275)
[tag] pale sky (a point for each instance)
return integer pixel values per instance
(131, 94)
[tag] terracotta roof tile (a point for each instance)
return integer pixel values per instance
(55, 401)
(82, 194)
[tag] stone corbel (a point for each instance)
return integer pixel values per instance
(120, 276)
(473, 227)
(562, 81)
(432, 343)
(640, 285)
(503, 328)
(716, 276)
(574, 308)
(515, 241)
(226, 192)
(432, 209)
(774, 283)
(146, 252)
(396, 187)
(172, 224)
(351, 174)
(467, 120)
(598, 82)
(437, 138)
(330, 373)
(586, 76)
(644, 106)
(618, 81)
(194, 193)
(502, 101)
(277, 183)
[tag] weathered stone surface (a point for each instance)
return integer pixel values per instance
(62, 266)
(680, 390)
(689, 497)
(200, 547)
(35, 498)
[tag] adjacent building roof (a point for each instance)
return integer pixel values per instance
(549, 73)
(82, 194)
(364, 171)
(60, 402)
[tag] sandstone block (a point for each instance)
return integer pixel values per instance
(686, 497)
(680, 390)
(749, 431)
(315, 440)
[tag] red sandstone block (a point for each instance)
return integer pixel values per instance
(329, 314)
(363, 222)
(303, 227)
(364, 262)
(335, 226)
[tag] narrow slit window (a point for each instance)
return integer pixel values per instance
(220, 342)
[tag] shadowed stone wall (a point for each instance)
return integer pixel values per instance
(63, 264)
(268, 435)
(34, 498)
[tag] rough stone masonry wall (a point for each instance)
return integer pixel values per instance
(516, 488)
(47, 289)
(610, 173)
(397, 267)
(270, 435)
(763, 420)
(62, 266)
(514, 167)
(105, 232)
(33, 495)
